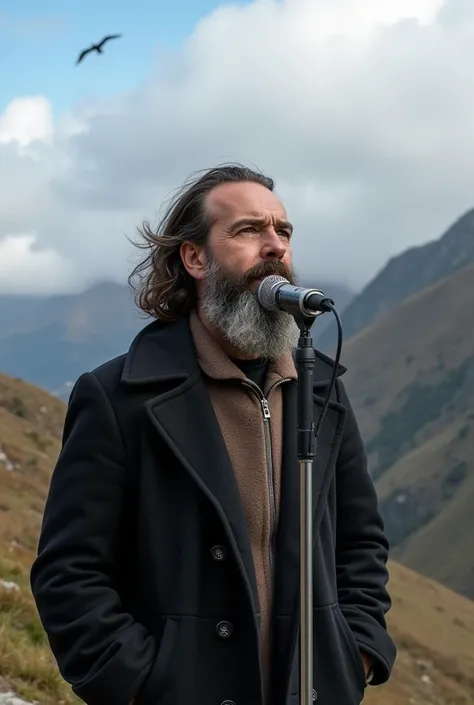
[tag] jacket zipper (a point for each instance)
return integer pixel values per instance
(270, 469)
(269, 461)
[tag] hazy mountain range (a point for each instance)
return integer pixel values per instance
(51, 341)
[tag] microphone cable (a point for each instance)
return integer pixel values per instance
(330, 308)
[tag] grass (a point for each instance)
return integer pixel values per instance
(25, 660)
(30, 431)
(434, 631)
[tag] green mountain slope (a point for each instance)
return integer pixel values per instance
(411, 379)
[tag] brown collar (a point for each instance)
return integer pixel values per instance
(216, 364)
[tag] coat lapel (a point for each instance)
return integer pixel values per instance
(180, 410)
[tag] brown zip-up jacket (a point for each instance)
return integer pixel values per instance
(251, 423)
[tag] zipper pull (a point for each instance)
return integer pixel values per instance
(266, 409)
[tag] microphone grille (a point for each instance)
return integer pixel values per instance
(265, 293)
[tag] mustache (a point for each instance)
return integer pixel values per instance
(265, 269)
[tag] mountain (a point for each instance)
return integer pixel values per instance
(341, 295)
(432, 626)
(411, 380)
(404, 275)
(80, 316)
(51, 341)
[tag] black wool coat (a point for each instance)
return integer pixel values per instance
(144, 577)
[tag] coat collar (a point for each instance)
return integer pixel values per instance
(165, 352)
(160, 352)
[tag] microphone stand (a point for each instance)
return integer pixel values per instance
(304, 305)
(305, 359)
(306, 443)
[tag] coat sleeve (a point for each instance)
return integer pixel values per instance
(101, 651)
(362, 550)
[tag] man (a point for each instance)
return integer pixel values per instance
(167, 570)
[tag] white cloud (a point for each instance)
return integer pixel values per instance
(361, 109)
(26, 270)
(26, 120)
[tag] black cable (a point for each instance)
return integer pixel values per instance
(329, 307)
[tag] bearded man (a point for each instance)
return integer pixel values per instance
(167, 568)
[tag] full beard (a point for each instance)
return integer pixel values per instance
(232, 308)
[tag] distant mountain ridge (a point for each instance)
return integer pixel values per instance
(405, 275)
(50, 341)
(106, 304)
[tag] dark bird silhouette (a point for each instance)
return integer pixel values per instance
(97, 47)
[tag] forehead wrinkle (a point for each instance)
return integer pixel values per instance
(227, 204)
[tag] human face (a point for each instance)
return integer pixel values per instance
(244, 246)
(249, 227)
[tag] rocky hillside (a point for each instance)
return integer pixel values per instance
(405, 275)
(411, 379)
(433, 626)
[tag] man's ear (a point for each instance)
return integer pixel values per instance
(194, 259)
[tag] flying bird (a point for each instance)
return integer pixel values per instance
(96, 47)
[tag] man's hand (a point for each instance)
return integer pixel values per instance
(368, 662)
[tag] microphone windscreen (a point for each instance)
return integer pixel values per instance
(265, 294)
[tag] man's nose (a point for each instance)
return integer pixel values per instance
(273, 246)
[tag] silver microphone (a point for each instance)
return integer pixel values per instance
(276, 293)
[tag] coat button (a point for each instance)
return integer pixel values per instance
(218, 553)
(315, 695)
(224, 630)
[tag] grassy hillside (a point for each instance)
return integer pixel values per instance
(434, 631)
(30, 431)
(411, 379)
(433, 627)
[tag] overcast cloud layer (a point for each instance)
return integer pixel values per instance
(362, 110)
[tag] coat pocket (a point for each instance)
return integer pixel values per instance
(160, 678)
(338, 669)
(352, 647)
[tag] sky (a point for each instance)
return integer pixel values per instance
(361, 110)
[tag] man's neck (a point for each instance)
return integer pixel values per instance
(229, 350)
